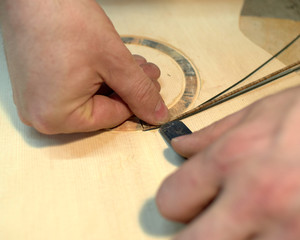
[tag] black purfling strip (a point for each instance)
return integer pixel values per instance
(256, 70)
(174, 129)
(243, 91)
(248, 89)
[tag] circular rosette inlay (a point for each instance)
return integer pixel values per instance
(180, 81)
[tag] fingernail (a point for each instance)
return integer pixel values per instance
(179, 139)
(161, 112)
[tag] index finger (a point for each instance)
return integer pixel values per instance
(190, 145)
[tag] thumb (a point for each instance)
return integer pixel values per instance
(143, 98)
(133, 85)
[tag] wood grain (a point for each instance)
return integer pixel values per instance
(271, 34)
(102, 185)
(271, 25)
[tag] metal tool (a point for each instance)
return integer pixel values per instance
(174, 129)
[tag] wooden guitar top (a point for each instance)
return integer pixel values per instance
(102, 185)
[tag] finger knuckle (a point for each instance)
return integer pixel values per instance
(22, 116)
(143, 91)
(236, 148)
(45, 122)
(225, 158)
(275, 193)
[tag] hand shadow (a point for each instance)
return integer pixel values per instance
(154, 224)
(172, 157)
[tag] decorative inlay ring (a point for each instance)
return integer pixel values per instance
(191, 78)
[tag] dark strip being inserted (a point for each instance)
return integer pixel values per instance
(223, 96)
(256, 70)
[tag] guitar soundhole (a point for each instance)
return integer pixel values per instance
(180, 81)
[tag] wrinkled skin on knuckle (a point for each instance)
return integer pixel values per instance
(43, 125)
(281, 194)
(143, 91)
(45, 120)
(266, 194)
(23, 118)
(291, 228)
(227, 154)
(242, 144)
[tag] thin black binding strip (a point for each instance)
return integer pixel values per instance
(256, 70)
(214, 99)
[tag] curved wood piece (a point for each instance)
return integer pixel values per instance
(271, 25)
(102, 185)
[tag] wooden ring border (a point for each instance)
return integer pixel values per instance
(192, 79)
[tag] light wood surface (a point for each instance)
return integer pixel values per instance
(271, 34)
(102, 185)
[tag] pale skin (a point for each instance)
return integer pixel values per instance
(59, 54)
(241, 179)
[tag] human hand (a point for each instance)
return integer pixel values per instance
(60, 53)
(242, 177)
